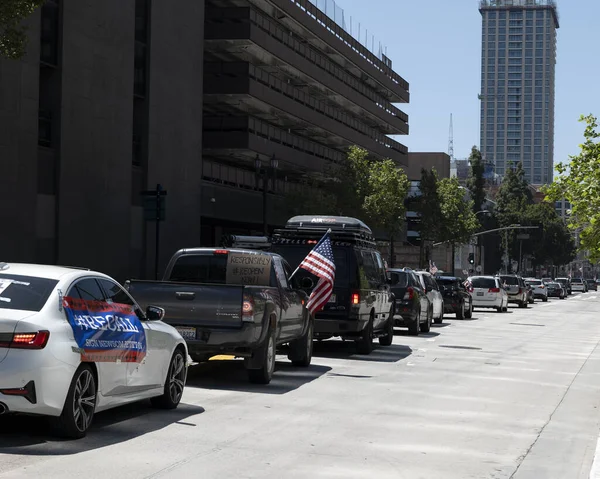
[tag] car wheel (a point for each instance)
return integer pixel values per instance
(469, 312)
(499, 309)
(426, 326)
(264, 373)
(441, 318)
(388, 338)
(522, 304)
(365, 344)
(415, 327)
(545, 299)
(174, 383)
(460, 314)
(80, 404)
(301, 350)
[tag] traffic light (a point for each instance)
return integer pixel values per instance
(471, 258)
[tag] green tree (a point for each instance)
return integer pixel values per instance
(351, 183)
(384, 201)
(514, 195)
(579, 184)
(459, 222)
(13, 35)
(427, 205)
(476, 181)
(313, 197)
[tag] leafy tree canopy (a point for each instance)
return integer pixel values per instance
(459, 223)
(13, 35)
(476, 181)
(514, 195)
(579, 184)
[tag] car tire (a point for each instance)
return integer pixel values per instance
(499, 309)
(174, 382)
(80, 404)
(460, 314)
(388, 338)
(469, 312)
(522, 304)
(414, 328)
(301, 349)
(426, 326)
(365, 344)
(264, 373)
(441, 318)
(545, 299)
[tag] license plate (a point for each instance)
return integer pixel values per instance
(332, 299)
(186, 332)
(479, 293)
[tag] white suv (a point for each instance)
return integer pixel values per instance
(433, 294)
(539, 288)
(489, 293)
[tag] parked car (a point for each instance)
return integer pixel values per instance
(591, 285)
(577, 284)
(362, 306)
(73, 342)
(555, 290)
(413, 309)
(457, 299)
(566, 283)
(234, 302)
(430, 285)
(489, 293)
(547, 280)
(539, 288)
(516, 289)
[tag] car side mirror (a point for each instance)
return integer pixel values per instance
(154, 313)
(307, 283)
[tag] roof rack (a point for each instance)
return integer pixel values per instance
(323, 223)
(262, 243)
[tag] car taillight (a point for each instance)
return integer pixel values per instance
(542, 286)
(355, 298)
(248, 309)
(494, 290)
(520, 291)
(36, 340)
(410, 293)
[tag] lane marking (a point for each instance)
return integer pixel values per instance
(595, 471)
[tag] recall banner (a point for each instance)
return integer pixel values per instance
(249, 269)
(106, 332)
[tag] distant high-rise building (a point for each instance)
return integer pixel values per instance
(518, 85)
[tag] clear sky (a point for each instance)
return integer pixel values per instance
(436, 46)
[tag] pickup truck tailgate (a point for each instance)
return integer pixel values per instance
(186, 304)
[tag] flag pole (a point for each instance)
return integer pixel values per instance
(296, 270)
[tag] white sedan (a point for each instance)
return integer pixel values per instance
(73, 342)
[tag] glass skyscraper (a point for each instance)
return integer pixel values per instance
(518, 61)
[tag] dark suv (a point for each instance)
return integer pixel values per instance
(412, 307)
(516, 288)
(457, 298)
(361, 306)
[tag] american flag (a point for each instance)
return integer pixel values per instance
(320, 263)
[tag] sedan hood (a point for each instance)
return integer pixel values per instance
(8, 322)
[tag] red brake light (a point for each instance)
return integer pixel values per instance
(410, 293)
(494, 290)
(355, 298)
(30, 340)
(541, 286)
(248, 309)
(221, 251)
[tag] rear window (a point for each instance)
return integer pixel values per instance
(576, 281)
(510, 280)
(534, 283)
(26, 293)
(213, 269)
(483, 282)
(399, 279)
(448, 283)
(295, 254)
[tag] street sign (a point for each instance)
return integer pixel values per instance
(523, 236)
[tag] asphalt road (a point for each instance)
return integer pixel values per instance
(511, 395)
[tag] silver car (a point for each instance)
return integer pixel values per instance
(540, 291)
(433, 294)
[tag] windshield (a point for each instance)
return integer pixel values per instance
(294, 254)
(512, 280)
(26, 293)
(483, 283)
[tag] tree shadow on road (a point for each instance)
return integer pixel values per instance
(230, 375)
(32, 435)
(347, 350)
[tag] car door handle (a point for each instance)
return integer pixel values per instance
(185, 295)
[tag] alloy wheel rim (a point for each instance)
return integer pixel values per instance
(271, 355)
(176, 378)
(84, 400)
(309, 343)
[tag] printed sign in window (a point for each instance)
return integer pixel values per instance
(249, 269)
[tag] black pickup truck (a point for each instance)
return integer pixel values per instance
(233, 302)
